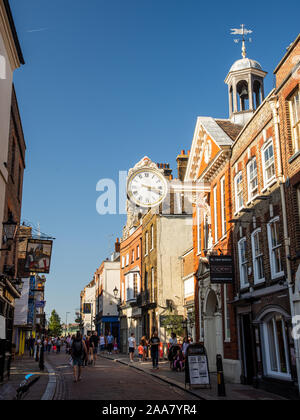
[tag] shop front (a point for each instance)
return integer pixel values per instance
(267, 348)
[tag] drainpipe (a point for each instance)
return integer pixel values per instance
(274, 107)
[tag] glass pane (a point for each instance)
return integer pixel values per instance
(281, 347)
(272, 348)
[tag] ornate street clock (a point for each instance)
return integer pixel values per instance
(147, 187)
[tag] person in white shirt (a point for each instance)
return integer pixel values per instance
(132, 346)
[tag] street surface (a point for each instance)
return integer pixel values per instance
(109, 380)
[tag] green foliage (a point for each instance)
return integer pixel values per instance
(173, 323)
(55, 327)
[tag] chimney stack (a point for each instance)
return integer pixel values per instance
(117, 245)
(182, 162)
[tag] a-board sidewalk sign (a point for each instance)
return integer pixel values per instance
(196, 367)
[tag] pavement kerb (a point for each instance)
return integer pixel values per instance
(51, 387)
(168, 381)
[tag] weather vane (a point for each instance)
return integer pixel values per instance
(243, 32)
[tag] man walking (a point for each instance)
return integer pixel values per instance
(154, 342)
(94, 341)
(110, 342)
(31, 342)
(132, 346)
(78, 351)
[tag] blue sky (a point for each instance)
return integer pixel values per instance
(107, 82)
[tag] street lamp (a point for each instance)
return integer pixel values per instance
(116, 292)
(9, 230)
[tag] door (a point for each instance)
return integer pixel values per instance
(247, 349)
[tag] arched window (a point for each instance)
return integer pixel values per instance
(276, 346)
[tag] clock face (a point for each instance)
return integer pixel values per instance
(147, 188)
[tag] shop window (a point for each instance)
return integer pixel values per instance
(276, 347)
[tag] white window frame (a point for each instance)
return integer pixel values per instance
(223, 207)
(199, 244)
(138, 251)
(216, 236)
(267, 182)
(127, 260)
(152, 285)
(146, 243)
(255, 258)
(243, 283)
(272, 249)
(238, 193)
(252, 195)
(132, 256)
(152, 237)
(268, 367)
(226, 315)
(123, 261)
(295, 120)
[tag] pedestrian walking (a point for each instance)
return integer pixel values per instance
(154, 343)
(110, 342)
(87, 358)
(116, 350)
(94, 342)
(78, 352)
(102, 343)
(58, 345)
(132, 346)
(185, 345)
(141, 351)
(145, 345)
(31, 343)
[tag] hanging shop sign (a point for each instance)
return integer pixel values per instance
(196, 369)
(38, 256)
(87, 308)
(221, 269)
(40, 304)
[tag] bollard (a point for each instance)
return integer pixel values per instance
(220, 375)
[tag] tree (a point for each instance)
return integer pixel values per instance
(55, 327)
(173, 323)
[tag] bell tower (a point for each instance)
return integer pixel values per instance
(245, 82)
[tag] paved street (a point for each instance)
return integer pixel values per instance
(110, 381)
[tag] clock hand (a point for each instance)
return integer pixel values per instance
(149, 188)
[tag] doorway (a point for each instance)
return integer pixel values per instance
(247, 349)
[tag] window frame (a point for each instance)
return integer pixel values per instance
(295, 125)
(255, 258)
(223, 208)
(146, 243)
(236, 194)
(243, 284)
(251, 196)
(199, 236)
(268, 182)
(267, 360)
(274, 274)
